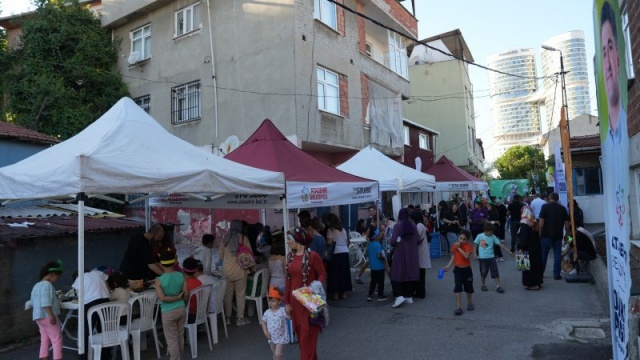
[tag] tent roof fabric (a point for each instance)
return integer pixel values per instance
(267, 148)
(395, 176)
(449, 177)
(127, 151)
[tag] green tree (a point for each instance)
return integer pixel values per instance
(523, 162)
(63, 76)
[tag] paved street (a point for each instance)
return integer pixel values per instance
(518, 324)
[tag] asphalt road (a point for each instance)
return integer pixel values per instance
(518, 324)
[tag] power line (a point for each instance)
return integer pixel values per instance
(429, 46)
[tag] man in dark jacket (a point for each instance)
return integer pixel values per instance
(554, 219)
(514, 210)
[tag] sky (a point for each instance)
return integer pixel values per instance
(492, 27)
(488, 27)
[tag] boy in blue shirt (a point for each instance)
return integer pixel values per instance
(376, 264)
(483, 252)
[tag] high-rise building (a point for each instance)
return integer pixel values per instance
(514, 109)
(572, 46)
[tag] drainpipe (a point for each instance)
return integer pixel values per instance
(215, 81)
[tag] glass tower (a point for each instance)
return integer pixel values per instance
(515, 112)
(572, 45)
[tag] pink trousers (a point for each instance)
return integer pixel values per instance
(50, 335)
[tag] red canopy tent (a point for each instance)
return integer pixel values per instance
(450, 177)
(309, 182)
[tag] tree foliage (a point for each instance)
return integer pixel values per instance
(523, 162)
(63, 76)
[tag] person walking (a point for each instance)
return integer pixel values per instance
(554, 218)
(303, 268)
(236, 276)
(405, 269)
(339, 274)
(529, 241)
(424, 257)
(462, 273)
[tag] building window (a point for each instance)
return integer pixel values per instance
(627, 39)
(140, 43)
(187, 20)
(325, 11)
(369, 49)
(328, 91)
(407, 140)
(424, 141)
(588, 181)
(397, 56)
(144, 102)
(185, 102)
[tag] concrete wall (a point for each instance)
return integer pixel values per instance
(13, 151)
(21, 264)
(265, 54)
(450, 116)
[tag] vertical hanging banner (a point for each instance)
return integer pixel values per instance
(560, 184)
(611, 88)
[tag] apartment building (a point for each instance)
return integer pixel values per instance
(209, 70)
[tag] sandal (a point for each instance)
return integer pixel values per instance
(458, 311)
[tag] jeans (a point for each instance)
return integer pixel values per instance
(547, 244)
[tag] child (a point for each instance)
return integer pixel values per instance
(204, 252)
(376, 264)
(46, 309)
(189, 267)
(119, 286)
(483, 252)
(273, 324)
(462, 274)
(172, 292)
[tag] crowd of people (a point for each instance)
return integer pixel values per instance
(319, 253)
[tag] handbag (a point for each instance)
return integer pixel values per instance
(245, 257)
(523, 262)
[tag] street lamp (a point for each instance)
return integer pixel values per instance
(564, 137)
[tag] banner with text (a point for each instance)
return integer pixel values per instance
(315, 194)
(611, 89)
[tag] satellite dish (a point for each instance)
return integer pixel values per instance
(229, 145)
(133, 57)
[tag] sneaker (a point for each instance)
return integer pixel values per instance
(383, 298)
(359, 281)
(458, 311)
(242, 322)
(470, 307)
(557, 277)
(399, 301)
(408, 300)
(500, 259)
(369, 298)
(228, 321)
(500, 289)
(484, 288)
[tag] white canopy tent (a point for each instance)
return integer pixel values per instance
(391, 175)
(126, 151)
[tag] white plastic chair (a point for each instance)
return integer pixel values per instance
(218, 291)
(201, 295)
(257, 294)
(146, 322)
(112, 334)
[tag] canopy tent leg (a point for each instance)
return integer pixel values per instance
(285, 223)
(81, 317)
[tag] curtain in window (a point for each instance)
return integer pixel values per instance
(385, 116)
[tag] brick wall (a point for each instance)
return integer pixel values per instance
(403, 16)
(633, 107)
(362, 32)
(340, 18)
(344, 96)
(364, 86)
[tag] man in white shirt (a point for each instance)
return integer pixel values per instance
(536, 205)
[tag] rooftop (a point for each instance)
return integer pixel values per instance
(11, 131)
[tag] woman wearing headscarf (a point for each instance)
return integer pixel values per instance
(339, 272)
(424, 257)
(529, 240)
(405, 269)
(303, 267)
(236, 276)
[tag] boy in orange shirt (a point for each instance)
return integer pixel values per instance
(462, 274)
